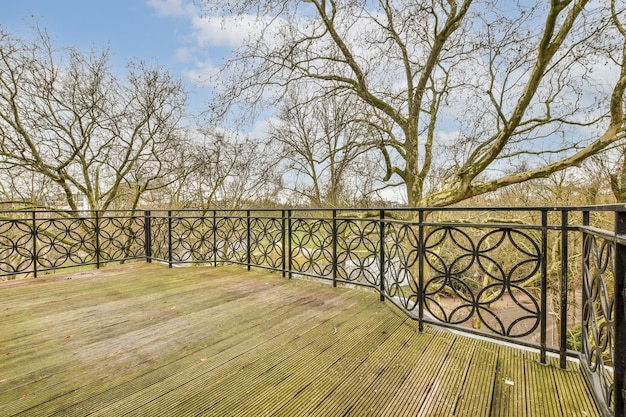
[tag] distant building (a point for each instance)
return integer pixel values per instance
(58, 201)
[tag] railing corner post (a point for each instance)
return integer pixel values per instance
(334, 248)
(169, 232)
(619, 345)
(215, 248)
(289, 258)
(544, 287)
(382, 254)
(564, 289)
(35, 255)
(283, 243)
(421, 299)
(147, 224)
(248, 239)
(97, 237)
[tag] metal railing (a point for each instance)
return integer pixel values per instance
(545, 278)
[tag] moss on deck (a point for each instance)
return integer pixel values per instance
(143, 339)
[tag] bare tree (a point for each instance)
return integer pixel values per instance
(467, 96)
(21, 188)
(220, 170)
(65, 117)
(324, 143)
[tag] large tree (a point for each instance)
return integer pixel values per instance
(66, 118)
(467, 96)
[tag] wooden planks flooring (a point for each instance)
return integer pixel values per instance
(145, 340)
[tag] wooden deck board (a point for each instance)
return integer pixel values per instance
(443, 392)
(325, 385)
(414, 390)
(360, 382)
(476, 393)
(572, 392)
(219, 357)
(144, 339)
(258, 368)
(276, 390)
(540, 388)
(509, 394)
(386, 385)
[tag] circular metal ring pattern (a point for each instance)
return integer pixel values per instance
(311, 251)
(358, 257)
(231, 239)
(402, 254)
(16, 246)
(483, 281)
(598, 336)
(266, 246)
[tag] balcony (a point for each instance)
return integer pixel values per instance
(438, 312)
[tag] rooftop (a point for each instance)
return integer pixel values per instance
(145, 339)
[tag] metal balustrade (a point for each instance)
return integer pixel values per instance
(528, 276)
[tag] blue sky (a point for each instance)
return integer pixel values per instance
(171, 33)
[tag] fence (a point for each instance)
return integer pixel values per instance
(545, 278)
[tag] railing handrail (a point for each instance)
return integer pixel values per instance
(614, 207)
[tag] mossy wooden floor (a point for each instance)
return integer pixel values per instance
(143, 339)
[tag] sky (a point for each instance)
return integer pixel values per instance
(171, 33)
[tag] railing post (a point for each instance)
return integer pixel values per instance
(169, 232)
(544, 285)
(147, 225)
(619, 323)
(585, 267)
(564, 289)
(289, 260)
(421, 299)
(35, 256)
(283, 243)
(381, 239)
(334, 248)
(214, 239)
(249, 257)
(97, 237)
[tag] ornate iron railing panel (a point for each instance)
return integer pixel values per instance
(598, 331)
(65, 242)
(489, 279)
(120, 237)
(231, 243)
(17, 246)
(485, 278)
(267, 247)
(34, 242)
(402, 255)
(159, 237)
(358, 249)
(192, 239)
(311, 247)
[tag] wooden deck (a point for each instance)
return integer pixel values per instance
(143, 339)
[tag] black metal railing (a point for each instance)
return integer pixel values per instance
(546, 278)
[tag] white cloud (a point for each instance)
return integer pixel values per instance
(203, 73)
(219, 31)
(174, 8)
(211, 30)
(232, 31)
(185, 54)
(210, 39)
(260, 129)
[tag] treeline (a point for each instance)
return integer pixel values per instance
(505, 107)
